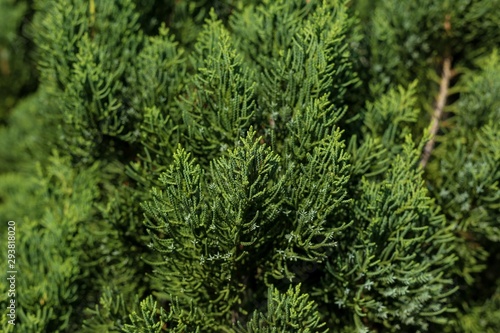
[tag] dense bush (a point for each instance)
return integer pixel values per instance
(251, 166)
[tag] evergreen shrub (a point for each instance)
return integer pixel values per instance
(251, 166)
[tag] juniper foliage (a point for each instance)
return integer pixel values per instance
(251, 166)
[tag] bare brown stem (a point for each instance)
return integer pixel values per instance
(438, 110)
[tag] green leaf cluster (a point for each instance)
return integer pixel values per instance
(251, 166)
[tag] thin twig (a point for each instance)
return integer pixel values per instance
(4, 61)
(438, 110)
(92, 17)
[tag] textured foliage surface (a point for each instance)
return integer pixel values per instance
(251, 166)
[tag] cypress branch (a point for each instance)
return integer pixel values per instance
(438, 111)
(250, 166)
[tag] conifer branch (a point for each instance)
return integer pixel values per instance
(440, 102)
(253, 173)
(438, 110)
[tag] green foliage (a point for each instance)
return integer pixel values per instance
(26, 132)
(468, 169)
(16, 71)
(290, 312)
(177, 320)
(218, 102)
(11, 21)
(301, 53)
(227, 221)
(86, 69)
(45, 244)
(408, 40)
(109, 315)
(482, 318)
(251, 166)
(466, 179)
(398, 259)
